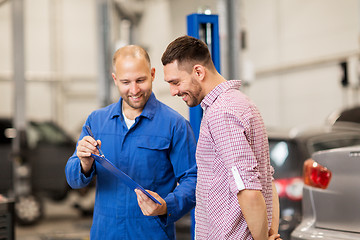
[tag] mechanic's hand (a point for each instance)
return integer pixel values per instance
(85, 148)
(148, 206)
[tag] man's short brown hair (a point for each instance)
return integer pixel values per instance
(188, 51)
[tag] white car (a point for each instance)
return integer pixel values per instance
(331, 196)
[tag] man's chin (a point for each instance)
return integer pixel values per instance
(187, 100)
(191, 104)
(137, 105)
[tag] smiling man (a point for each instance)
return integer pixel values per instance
(235, 194)
(147, 140)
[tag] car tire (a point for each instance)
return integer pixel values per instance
(59, 195)
(28, 209)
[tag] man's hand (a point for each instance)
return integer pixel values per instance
(273, 236)
(85, 148)
(148, 206)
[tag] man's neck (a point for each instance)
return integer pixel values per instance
(213, 79)
(129, 112)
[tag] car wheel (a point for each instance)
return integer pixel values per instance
(59, 195)
(28, 209)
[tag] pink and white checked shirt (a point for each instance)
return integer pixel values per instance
(232, 154)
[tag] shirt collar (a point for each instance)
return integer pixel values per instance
(210, 98)
(148, 111)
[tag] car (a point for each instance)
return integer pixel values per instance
(330, 196)
(288, 152)
(44, 153)
(350, 115)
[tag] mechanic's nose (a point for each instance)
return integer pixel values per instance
(134, 89)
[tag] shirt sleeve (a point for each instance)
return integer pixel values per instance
(182, 156)
(74, 176)
(228, 132)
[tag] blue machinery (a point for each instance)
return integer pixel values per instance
(206, 28)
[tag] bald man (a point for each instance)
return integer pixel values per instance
(148, 141)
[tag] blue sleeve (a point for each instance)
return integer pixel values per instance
(74, 176)
(182, 157)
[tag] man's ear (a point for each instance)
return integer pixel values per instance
(114, 78)
(152, 74)
(199, 72)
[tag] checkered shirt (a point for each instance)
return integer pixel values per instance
(232, 154)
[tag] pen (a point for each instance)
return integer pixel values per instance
(89, 132)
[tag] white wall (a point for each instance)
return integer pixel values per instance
(60, 61)
(5, 60)
(306, 39)
(294, 46)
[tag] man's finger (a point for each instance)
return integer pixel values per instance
(142, 196)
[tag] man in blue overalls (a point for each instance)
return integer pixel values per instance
(147, 140)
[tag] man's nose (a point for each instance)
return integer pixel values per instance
(174, 91)
(134, 88)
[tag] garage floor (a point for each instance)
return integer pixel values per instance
(62, 221)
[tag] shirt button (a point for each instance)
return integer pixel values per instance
(169, 214)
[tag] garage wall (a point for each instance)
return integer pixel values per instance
(293, 47)
(5, 59)
(60, 61)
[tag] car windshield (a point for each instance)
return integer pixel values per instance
(335, 143)
(285, 158)
(46, 132)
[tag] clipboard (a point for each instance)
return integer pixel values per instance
(121, 175)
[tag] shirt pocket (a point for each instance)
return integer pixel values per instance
(153, 143)
(153, 150)
(152, 157)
